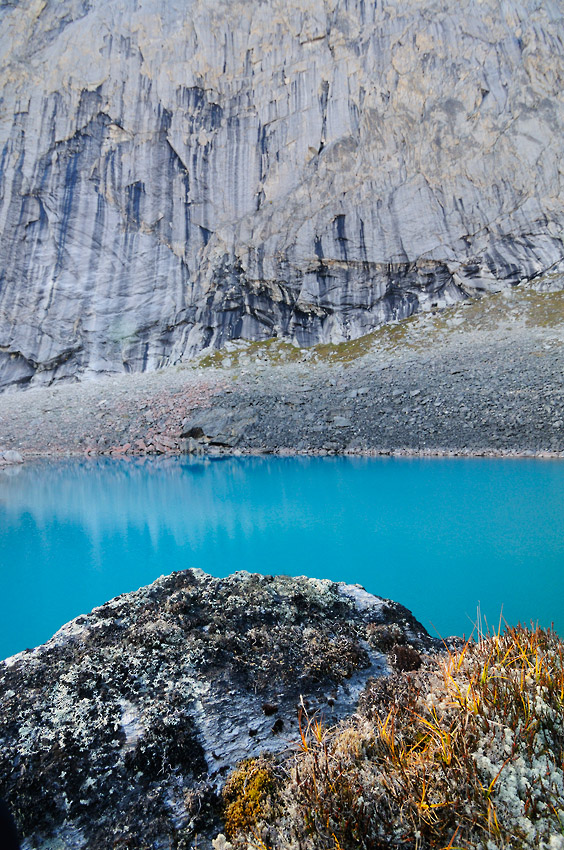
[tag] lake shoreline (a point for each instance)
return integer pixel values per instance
(509, 454)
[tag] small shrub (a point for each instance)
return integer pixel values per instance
(383, 636)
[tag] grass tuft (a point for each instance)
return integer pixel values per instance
(467, 752)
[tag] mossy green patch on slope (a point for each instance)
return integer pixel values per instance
(530, 308)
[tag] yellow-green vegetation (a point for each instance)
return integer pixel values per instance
(466, 753)
(535, 308)
(272, 351)
(248, 796)
(545, 309)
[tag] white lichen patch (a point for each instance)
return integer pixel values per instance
(363, 600)
(73, 629)
(131, 724)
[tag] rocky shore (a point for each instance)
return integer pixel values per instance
(121, 729)
(484, 377)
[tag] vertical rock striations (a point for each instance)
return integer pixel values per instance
(176, 174)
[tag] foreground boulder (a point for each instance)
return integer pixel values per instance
(119, 731)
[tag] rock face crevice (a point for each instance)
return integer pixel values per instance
(175, 175)
(120, 730)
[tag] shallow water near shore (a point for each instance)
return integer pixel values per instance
(437, 535)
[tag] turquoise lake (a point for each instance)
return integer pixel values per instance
(439, 536)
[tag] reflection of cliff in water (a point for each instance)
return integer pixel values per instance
(183, 498)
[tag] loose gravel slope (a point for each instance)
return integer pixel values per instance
(485, 376)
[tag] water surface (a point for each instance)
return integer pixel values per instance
(439, 536)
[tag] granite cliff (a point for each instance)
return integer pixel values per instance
(174, 175)
(121, 729)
